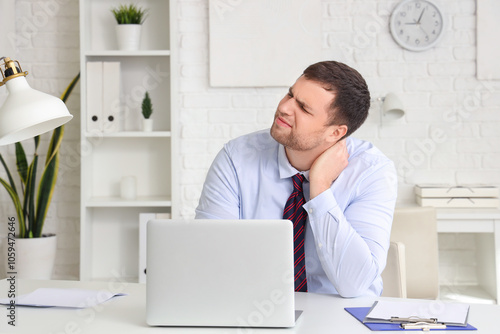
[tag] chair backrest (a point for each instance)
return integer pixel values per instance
(416, 228)
(394, 274)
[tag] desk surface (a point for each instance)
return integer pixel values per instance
(322, 313)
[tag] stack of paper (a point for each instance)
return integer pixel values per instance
(55, 297)
(443, 196)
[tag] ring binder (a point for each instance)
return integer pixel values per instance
(414, 320)
(424, 326)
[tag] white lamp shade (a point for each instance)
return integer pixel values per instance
(392, 108)
(27, 113)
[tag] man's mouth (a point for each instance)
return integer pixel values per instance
(281, 122)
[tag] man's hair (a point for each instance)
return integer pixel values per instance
(352, 98)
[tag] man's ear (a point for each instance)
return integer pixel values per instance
(336, 132)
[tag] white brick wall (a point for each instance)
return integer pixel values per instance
(438, 87)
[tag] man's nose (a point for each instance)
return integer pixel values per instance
(287, 106)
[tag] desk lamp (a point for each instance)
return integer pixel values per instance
(26, 112)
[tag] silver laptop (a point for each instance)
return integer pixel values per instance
(221, 273)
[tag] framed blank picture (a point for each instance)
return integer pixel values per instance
(488, 37)
(261, 43)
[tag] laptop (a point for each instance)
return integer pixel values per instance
(220, 273)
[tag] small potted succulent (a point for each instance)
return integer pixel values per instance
(128, 31)
(147, 110)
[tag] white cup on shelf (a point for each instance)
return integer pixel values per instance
(128, 187)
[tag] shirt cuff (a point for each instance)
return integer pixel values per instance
(321, 205)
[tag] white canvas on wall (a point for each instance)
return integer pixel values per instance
(262, 43)
(488, 35)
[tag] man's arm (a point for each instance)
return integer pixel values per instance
(352, 245)
(219, 198)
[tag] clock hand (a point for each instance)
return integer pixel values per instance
(420, 17)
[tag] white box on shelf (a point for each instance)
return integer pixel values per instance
(143, 219)
(111, 96)
(456, 191)
(94, 96)
(458, 202)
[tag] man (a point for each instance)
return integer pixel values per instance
(349, 186)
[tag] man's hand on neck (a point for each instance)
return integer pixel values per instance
(327, 167)
(324, 166)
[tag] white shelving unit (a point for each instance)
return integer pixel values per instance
(484, 224)
(109, 224)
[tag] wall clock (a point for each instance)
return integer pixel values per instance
(417, 25)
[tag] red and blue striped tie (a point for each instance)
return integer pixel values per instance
(296, 213)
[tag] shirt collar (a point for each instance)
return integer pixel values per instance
(286, 170)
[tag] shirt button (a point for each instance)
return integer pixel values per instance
(320, 245)
(311, 210)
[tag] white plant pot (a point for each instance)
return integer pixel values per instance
(147, 124)
(34, 257)
(128, 36)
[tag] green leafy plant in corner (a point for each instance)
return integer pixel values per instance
(33, 202)
(129, 14)
(147, 106)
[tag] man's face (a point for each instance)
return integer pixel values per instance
(300, 122)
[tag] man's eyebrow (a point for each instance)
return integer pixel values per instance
(301, 103)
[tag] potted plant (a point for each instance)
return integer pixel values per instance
(128, 31)
(147, 110)
(34, 251)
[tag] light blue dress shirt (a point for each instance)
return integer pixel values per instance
(348, 226)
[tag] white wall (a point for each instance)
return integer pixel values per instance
(438, 87)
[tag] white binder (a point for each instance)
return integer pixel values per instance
(94, 96)
(111, 96)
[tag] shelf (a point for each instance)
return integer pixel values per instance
(115, 202)
(466, 294)
(111, 152)
(130, 134)
(120, 53)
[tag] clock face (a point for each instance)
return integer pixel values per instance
(416, 25)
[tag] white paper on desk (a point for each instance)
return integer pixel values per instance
(74, 298)
(449, 313)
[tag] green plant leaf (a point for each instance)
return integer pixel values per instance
(55, 143)
(9, 176)
(67, 92)
(17, 204)
(29, 195)
(37, 142)
(22, 163)
(147, 106)
(57, 135)
(130, 14)
(45, 192)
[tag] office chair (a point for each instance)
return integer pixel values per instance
(416, 228)
(394, 274)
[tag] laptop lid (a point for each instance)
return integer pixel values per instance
(230, 273)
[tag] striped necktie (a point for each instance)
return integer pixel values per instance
(294, 212)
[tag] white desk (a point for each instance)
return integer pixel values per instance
(485, 223)
(322, 314)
